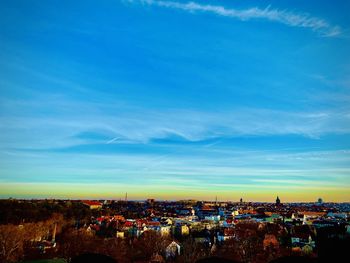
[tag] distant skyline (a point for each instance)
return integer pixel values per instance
(175, 100)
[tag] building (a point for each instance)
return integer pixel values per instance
(93, 204)
(165, 230)
(182, 230)
(278, 201)
(120, 234)
(225, 234)
(172, 250)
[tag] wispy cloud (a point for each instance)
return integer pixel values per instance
(113, 140)
(281, 16)
(299, 183)
(143, 126)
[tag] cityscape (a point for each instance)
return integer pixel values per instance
(174, 231)
(174, 131)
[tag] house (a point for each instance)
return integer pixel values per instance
(337, 215)
(302, 235)
(273, 217)
(215, 218)
(206, 211)
(227, 223)
(324, 223)
(118, 218)
(93, 204)
(235, 212)
(165, 230)
(141, 223)
(172, 250)
(287, 217)
(184, 211)
(128, 224)
(182, 230)
(310, 215)
(153, 225)
(225, 234)
(166, 221)
(301, 238)
(120, 234)
(203, 237)
(297, 218)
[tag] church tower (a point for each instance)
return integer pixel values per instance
(278, 201)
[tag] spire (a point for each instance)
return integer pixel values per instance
(278, 201)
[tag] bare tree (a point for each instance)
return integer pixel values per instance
(11, 242)
(118, 249)
(193, 251)
(150, 243)
(75, 242)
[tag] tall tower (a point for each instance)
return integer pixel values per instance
(278, 201)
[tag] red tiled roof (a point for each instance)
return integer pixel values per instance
(128, 224)
(140, 222)
(86, 202)
(312, 213)
(228, 232)
(153, 223)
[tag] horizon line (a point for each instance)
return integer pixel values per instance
(164, 200)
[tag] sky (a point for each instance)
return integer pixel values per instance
(175, 100)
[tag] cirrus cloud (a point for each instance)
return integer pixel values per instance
(288, 18)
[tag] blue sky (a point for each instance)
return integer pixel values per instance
(175, 99)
